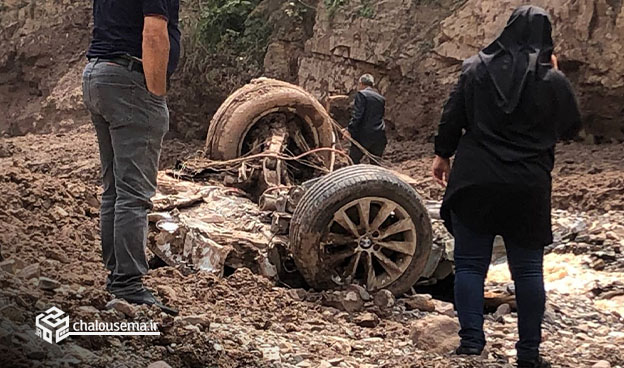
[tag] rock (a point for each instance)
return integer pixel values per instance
(57, 255)
(370, 320)
(363, 293)
(297, 294)
(384, 299)
(30, 271)
(435, 334)
(46, 283)
(11, 265)
(348, 301)
(159, 364)
(122, 306)
(167, 293)
(200, 320)
(445, 308)
(420, 302)
(81, 353)
(602, 364)
(13, 313)
(501, 311)
(36, 354)
(271, 353)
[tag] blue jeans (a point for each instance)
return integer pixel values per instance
(473, 253)
(130, 123)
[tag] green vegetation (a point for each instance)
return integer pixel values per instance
(365, 10)
(230, 27)
(333, 6)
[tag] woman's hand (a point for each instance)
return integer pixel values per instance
(554, 62)
(441, 169)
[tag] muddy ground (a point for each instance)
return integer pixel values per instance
(49, 198)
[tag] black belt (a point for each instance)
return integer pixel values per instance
(131, 64)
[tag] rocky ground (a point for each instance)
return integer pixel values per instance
(50, 245)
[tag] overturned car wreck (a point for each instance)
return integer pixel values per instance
(274, 193)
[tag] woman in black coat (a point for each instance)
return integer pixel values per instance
(502, 121)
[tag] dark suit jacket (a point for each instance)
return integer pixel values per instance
(367, 122)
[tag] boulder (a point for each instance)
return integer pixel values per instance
(435, 334)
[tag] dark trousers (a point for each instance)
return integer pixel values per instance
(473, 253)
(130, 123)
(374, 145)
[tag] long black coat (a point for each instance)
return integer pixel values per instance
(367, 125)
(500, 182)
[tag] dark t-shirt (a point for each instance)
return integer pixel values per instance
(118, 27)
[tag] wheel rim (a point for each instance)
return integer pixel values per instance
(370, 241)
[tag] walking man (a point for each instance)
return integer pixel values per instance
(135, 48)
(367, 126)
(513, 105)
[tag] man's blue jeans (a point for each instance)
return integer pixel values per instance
(130, 123)
(473, 253)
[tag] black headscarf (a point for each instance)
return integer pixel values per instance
(524, 46)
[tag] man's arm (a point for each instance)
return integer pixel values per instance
(155, 53)
(359, 105)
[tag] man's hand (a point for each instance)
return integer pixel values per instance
(441, 169)
(155, 54)
(554, 61)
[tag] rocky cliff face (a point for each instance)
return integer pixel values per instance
(589, 39)
(415, 48)
(41, 60)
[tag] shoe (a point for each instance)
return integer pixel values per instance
(538, 362)
(147, 298)
(464, 350)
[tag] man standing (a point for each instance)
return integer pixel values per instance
(367, 126)
(135, 48)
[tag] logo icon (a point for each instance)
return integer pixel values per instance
(52, 325)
